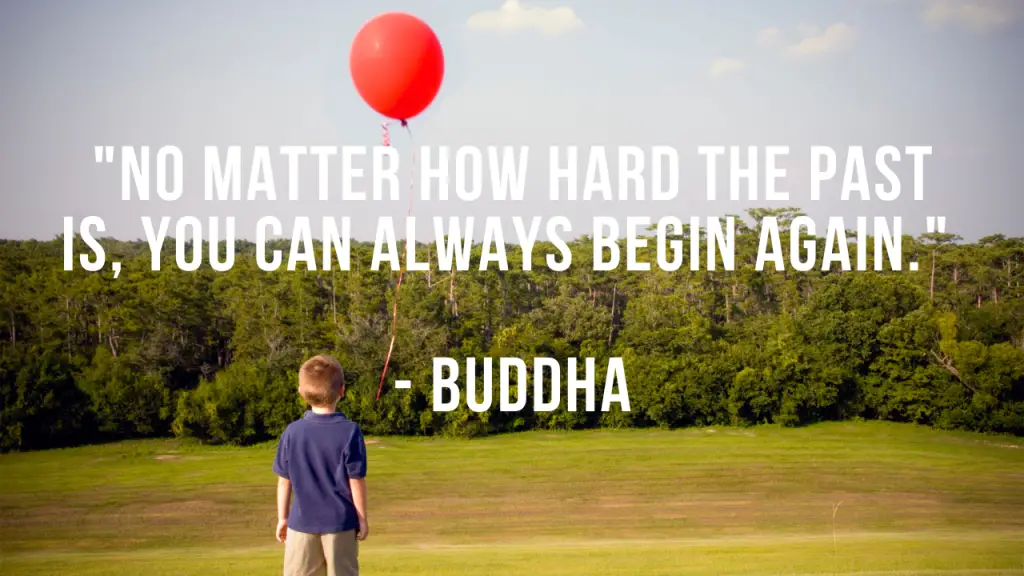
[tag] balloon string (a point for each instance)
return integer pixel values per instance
(405, 245)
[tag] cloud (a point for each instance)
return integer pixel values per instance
(514, 15)
(835, 37)
(978, 16)
(724, 66)
(769, 37)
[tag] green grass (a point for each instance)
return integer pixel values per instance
(724, 501)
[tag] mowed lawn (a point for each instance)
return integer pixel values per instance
(703, 501)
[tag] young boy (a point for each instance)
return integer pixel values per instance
(322, 457)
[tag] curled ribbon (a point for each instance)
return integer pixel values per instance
(385, 127)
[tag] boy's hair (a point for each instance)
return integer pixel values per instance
(321, 381)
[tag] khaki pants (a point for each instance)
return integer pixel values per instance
(321, 554)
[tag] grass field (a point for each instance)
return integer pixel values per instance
(724, 501)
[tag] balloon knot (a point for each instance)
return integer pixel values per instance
(405, 124)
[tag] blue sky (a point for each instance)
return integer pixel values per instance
(682, 73)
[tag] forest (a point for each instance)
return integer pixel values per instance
(213, 356)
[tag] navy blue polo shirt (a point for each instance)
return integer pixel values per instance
(319, 453)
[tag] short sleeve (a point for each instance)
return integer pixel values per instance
(281, 459)
(355, 456)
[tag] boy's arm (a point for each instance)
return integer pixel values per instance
(355, 466)
(358, 488)
(284, 496)
(284, 486)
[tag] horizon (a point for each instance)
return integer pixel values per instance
(649, 233)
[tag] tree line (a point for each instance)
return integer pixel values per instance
(213, 355)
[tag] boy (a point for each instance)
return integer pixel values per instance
(322, 457)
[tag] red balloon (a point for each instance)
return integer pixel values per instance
(397, 65)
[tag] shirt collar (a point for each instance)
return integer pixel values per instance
(335, 416)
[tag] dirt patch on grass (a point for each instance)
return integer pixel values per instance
(710, 503)
(615, 505)
(184, 509)
(175, 458)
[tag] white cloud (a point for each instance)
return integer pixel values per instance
(769, 37)
(514, 15)
(977, 16)
(835, 37)
(724, 66)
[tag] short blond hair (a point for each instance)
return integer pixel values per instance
(321, 381)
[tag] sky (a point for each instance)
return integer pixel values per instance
(681, 73)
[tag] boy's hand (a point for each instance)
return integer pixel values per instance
(282, 530)
(364, 529)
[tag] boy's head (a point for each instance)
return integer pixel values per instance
(321, 381)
